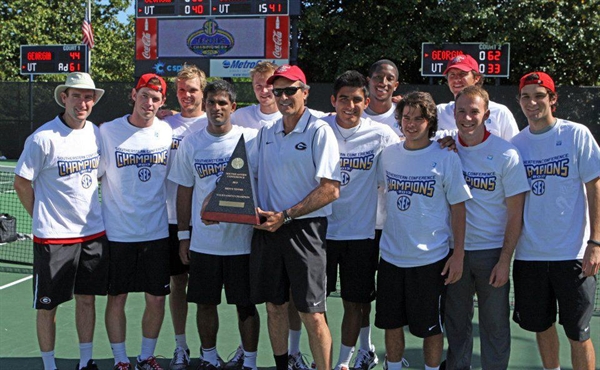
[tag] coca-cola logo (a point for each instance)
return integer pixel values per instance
(278, 41)
(147, 42)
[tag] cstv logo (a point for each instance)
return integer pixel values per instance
(160, 68)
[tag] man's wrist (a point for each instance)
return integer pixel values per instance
(183, 235)
(595, 243)
(286, 217)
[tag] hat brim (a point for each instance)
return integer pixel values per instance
(62, 88)
(462, 67)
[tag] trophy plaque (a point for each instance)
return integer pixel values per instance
(234, 199)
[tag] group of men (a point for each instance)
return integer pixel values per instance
(364, 190)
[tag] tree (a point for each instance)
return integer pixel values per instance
(558, 36)
(47, 22)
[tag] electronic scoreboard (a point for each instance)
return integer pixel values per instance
(493, 59)
(224, 38)
(50, 59)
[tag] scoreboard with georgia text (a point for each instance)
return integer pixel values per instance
(224, 38)
(51, 59)
(493, 59)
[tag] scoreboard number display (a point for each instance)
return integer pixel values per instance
(53, 59)
(208, 8)
(493, 59)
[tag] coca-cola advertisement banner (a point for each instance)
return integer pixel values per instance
(278, 37)
(145, 41)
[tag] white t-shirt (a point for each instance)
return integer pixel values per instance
(133, 187)
(64, 165)
(388, 118)
(558, 163)
(252, 117)
(501, 121)
(353, 213)
(493, 171)
(420, 187)
(200, 162)
(291, 166)
(182, 126)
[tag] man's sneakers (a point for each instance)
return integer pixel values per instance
(148, 364)
(91, 365)
(365, 360)
(123, 366)
(205, 365)
(296, 362)
(181, 359)
(236, 362)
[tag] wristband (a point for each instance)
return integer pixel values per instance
(183, 235)
(595, 242)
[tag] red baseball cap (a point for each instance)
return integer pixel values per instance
(144, 81)
(293, 73)
(538, 78)
(464, 62)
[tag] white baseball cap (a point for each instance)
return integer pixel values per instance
(77, 80)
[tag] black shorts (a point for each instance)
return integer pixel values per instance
(412, 296)
(176, 266)
(358, 263)
(209, 273)
(140, 267)
(538, 287)
(61, 270)
(293, 257)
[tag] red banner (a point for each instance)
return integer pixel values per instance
(277, 37)
(145, 39)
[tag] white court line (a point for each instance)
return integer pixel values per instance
(16, 282)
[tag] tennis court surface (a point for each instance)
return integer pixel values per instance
(19, 349)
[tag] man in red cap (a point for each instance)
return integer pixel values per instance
(135, 149)
(463, 71)
(298, 177)
(558, 252)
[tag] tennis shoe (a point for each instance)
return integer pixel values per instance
(181, 359)
(365, 360)
(236, 361)
(123, 366)
(148, 364)
(297, 362)
(91, 365)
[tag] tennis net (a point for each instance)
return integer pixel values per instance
(20, 251)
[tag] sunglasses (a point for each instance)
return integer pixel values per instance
(289, 91)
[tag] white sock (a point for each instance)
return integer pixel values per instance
(557, 368)
(394, 365)
(345, 356)
(210, 355)
(250, 360)
(294, 339)
(431, 368)
(365, 338)
(119, 352)
(181, 342)
(85, 353)
(148, 347)
(49, 362)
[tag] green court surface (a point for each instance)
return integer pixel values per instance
(19, 349)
